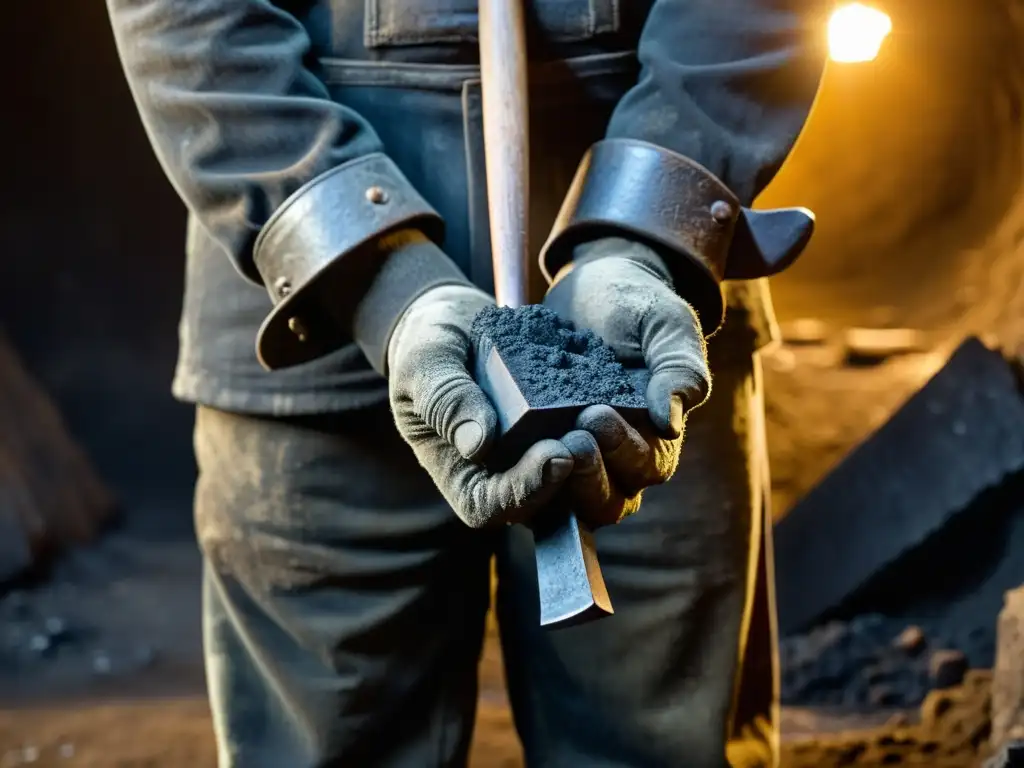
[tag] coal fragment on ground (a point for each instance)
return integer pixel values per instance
(959, 437)
(870, 662)
(911, 640)
(947, 669)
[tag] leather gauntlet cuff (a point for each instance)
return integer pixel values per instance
(640, 191)
(319, 254)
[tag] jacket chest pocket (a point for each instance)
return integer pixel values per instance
(425, 22)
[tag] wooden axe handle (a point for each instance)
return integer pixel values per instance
(571, 587)
(506, 144)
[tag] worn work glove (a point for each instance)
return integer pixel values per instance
(450, 423)
(622, 292)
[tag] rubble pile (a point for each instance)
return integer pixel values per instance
(872, 662)
(916, 518)
(50, 494)
(893, 571)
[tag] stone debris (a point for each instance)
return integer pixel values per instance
(804, 331)
(947, 669)
(867, 346)
(869, 662)
(951, 732)
(911, 640)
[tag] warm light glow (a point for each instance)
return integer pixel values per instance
(856, 33)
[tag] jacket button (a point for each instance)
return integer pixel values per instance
(376, 195)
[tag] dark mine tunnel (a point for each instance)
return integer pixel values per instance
(894, 412)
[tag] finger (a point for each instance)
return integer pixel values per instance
(594, 497)
(517, 494)
(627, 455)
(589, 489)
(676, 355)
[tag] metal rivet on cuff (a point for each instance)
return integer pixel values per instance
(376, 195)
(721, 211)
(296, 326)
(282, 287)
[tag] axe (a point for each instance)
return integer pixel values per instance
(572, 589)
(764, 243)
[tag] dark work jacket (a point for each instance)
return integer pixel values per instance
(245, 101)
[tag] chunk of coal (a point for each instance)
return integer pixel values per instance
(864, 662)
(884, 696)
(947, 669)
(960, 436)
(553, 362)
(56, 627)
(911, 640)
(39, 644)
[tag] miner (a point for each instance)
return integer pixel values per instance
(330, 156)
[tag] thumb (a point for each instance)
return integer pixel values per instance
(452, 404)
(676, 355)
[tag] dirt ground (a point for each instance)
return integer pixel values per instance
(61, 712)
(123, 688)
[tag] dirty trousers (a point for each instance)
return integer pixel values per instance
(345, 603)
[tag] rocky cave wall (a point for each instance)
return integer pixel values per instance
(914, 165)
(92, 239)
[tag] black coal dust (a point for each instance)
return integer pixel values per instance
(554, 363)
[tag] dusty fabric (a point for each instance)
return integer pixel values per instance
(344, 603)
(245, 101)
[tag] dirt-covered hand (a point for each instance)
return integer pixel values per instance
(450, 423)
(620, 290)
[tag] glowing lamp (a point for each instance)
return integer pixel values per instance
(856, 33)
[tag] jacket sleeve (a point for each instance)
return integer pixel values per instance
(278, 173)
(726, 83)
(725, 88)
